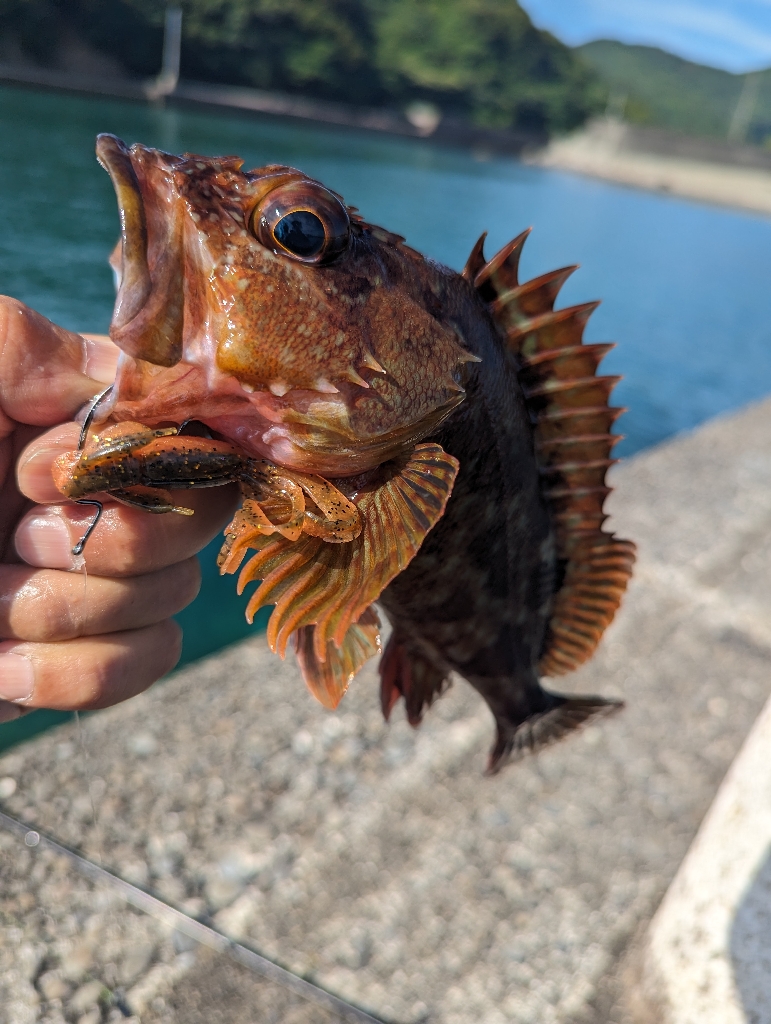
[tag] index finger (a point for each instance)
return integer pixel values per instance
(46, 372)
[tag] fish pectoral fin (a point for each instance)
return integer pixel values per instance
(329, 679)
(539, 730)
(404, 673)
(329, 586)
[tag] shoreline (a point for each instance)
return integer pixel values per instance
(611, 151)
(255, 102)
(704, 170)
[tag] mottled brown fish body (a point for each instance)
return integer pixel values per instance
(432, 441)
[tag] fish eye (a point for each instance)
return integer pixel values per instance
(303, 220)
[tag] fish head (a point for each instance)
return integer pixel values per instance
(258, 302)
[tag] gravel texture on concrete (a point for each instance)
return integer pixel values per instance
(379, 860)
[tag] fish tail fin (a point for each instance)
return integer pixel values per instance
(539, 730)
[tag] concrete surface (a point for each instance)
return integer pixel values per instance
(602, 150)
(379, 861)
(708, 956)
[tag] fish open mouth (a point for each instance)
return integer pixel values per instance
(148, 317)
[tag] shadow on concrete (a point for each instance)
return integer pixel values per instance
(751, 947)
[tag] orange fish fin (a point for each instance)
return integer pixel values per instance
(406, 674)
(329, 679)
(476, 259)
(596, 575)
(330, 585)
(569, 405)
(546, 727)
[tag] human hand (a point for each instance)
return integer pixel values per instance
(71, 639)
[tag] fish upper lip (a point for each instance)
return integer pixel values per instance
(135, 284)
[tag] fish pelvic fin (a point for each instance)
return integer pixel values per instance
(404, 673)
(328, 680)
(569, 407)
(516, 739)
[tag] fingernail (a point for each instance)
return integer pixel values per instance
(17, 678)
(45, 541)
(101, 359)
(8, 712)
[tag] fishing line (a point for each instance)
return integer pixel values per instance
(79, 566)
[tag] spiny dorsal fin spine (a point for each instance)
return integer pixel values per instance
(572, 419)
(501, 273)
(556, 329)
(474, 264)
(513, 307)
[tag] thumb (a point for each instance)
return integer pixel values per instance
(46, 372)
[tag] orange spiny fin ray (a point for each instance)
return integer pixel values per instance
(570, 394)
(328, 680)
(582, 447)
(501, 273)
(515, 307)
(569, 363)
(557, 329)
(558, 423)
(572, 418)
(476, 259)
(326, 588)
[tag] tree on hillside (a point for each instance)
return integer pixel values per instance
(484, 58)
(480, 59)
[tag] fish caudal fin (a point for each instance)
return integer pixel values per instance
(515, 739)
(409, 675)
(572, 420)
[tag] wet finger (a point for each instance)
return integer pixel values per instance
(45, 605)
(87, 673)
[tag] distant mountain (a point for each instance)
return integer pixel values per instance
(651, 87)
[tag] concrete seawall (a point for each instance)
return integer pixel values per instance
(738, 177)
(377, 860)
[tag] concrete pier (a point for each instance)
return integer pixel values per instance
(377, 861)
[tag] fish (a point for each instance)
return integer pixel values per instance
(409, 441)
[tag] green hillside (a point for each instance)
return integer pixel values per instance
(656, 88)
(480, 60)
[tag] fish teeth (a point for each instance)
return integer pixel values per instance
(325, 386)
(278, 388)
(248, 388)
(369, 361)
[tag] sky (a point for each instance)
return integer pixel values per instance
(730, 34)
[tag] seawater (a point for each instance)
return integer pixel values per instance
(685, 287)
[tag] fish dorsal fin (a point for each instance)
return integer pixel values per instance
(329, 586)
(569, 406)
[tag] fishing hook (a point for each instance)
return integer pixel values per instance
(78, 549)
(95, 402)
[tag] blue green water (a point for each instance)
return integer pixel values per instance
(685, 286)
